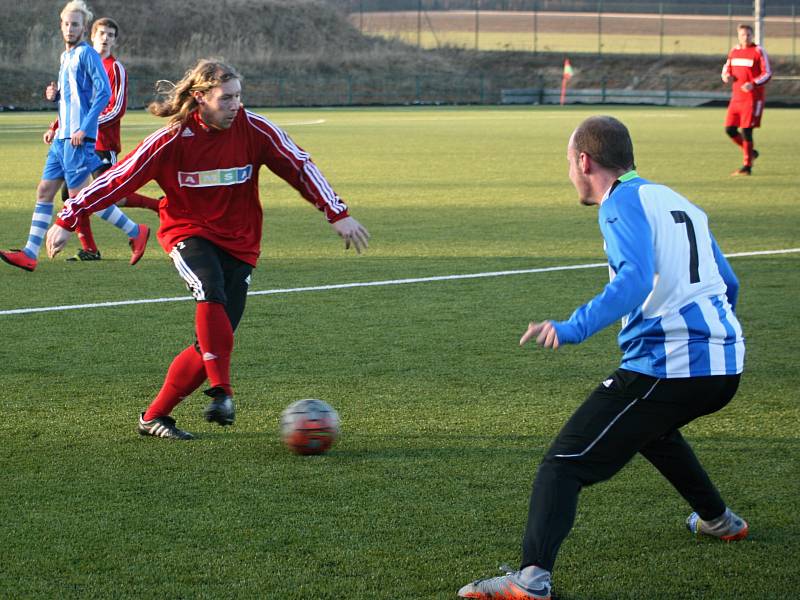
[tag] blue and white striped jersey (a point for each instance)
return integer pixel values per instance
(670, 284)
(84, 91)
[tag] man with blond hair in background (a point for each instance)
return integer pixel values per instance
(104, 37)
(207, 160)
(85, 91)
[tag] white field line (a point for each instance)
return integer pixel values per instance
(340, 286)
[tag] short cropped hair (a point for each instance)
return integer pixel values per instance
(106, 22)
(607, 141)
(78, 6)
(745, 26)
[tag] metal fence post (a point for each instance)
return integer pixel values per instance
(419, 24)
(477, 22)
(350, 90)
(794, 34)
(535, 27)
(730, 28)
(540, 78)
(668, 86)
(603, 83)
(661, 29)
(599, 26)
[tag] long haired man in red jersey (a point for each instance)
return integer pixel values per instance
(207, 159)
(748, 70)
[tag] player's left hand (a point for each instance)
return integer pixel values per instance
(544, 333)
(747, 86)
(76, 139)
(352, 232)
(57, 238)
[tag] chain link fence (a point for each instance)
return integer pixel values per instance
(536, 88)
(596, 26)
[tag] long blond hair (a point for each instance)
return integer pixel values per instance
(178, 102)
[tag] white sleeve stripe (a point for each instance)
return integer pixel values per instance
(119, 95)
(309, 168)
(120, 169)
(324, 187)
(767, 74)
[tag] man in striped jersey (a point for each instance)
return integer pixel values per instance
(85, 91)
(207, 161)
(104, 37)
(748, 70)
(683, 353)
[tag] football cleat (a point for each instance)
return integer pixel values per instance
(746, 171)
(221, 409)
(139, 243)
(729, 527)
(505, 587)
(163, 427)
(84, 255)
(18, 258)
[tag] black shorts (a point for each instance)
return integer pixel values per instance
(213, 275)
(109, 158)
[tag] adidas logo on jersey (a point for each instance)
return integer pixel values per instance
(187, 132)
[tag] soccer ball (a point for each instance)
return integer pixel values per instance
(309, 426)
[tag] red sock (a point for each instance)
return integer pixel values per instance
(138, 201)
(747, 150)
(215, 336)
(84, 231)
(185, 375)
(738, 139)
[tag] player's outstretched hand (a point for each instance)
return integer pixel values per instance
(544, 333)
(352, 232)
(57, 238)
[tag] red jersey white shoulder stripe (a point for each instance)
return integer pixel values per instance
(766, 69)
(284, 144)
(116, 108)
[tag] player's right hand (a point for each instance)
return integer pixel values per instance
(48, 136)
(51, 91)
(57, 238)
(544, 332)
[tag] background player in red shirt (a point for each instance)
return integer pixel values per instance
(104, 37)
(748, 69)
(207, 161)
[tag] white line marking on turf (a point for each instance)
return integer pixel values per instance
(341, 286)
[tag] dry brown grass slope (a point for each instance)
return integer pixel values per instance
(295, 40)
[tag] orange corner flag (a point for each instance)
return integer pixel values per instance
(564, 79)
(567, 69)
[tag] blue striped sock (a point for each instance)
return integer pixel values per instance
(40, 221)
(119, 219)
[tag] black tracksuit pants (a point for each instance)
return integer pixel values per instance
(626, 414)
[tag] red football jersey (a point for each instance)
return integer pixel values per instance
(109, 120)
(210, 178)
(747, 64)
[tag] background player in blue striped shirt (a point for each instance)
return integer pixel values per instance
(84, 93)
(683, 353)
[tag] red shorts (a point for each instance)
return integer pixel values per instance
(745, 113)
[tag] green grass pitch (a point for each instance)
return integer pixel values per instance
(444, 417)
